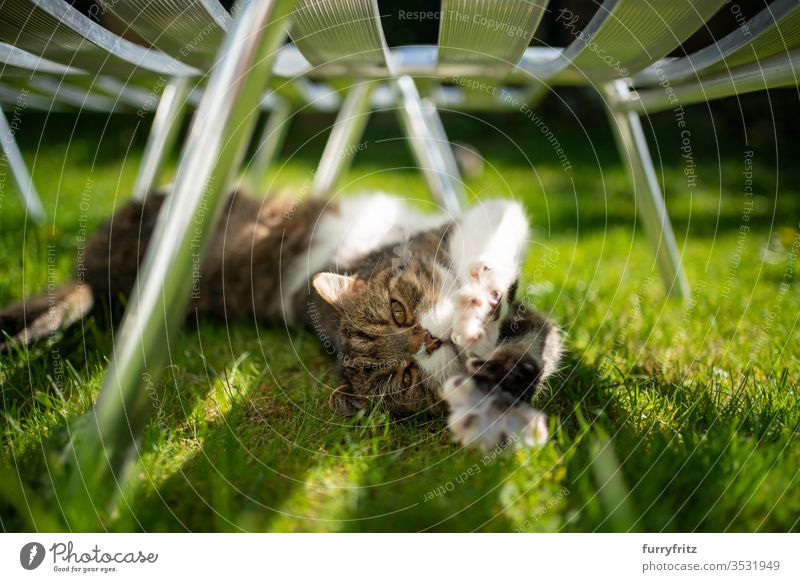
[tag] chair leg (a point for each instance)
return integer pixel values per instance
(632, 145)
(19, 171)
(345, 135)
(166, 124)
(270, 141)
(430, 146)
(434, 123)
(209, 161)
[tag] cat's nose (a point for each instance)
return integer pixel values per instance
(431, 343)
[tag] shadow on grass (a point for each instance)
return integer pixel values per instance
(644, 452)
(267, 465)
(276, 459)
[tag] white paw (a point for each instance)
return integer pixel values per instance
(472, 308)
(494, 278)
(486, 420)
(488, 279)
(478, 310)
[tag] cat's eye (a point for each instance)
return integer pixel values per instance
(409, 377)
(399, 313)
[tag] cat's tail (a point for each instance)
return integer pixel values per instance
(35, 318)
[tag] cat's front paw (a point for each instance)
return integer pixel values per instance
(479, 309)
(491, 419)
(488, 283)
(473, 312)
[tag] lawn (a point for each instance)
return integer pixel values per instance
(665, 416)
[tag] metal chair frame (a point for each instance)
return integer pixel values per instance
(17, 63)
(337, 38)
(209, 160)
(353, 38)
(19, 171)
(59, 32)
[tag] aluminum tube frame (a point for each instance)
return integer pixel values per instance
(270, 140)
(75, 96)
(19, 171)
(436, 127)
(209, 161)
(781, 70)
(167, 122)
(633, 149)
(430, 146)
(773, 17)
(346, 132)
(69, 45)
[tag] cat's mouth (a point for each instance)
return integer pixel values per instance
(431, 343)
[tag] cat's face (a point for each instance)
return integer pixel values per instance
(388, 357)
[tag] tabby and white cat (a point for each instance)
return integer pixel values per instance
(418, 309)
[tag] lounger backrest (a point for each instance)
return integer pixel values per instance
(624, 37)
(57, 31)
(493, 35)
(772, 31)
(345, 36)
(190, 31)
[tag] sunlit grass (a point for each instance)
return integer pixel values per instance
(665, 415)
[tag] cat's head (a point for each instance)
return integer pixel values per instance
(388, 358)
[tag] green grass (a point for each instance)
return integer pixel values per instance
(664, 416)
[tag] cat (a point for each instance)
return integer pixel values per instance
(419, 310)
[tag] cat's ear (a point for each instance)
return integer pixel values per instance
(344, 402)
(332, 287)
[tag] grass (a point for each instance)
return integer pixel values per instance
(665, 417)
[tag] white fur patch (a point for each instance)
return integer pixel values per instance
(442, 364)
(439, 319)
(487, 246)
(494, 233)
